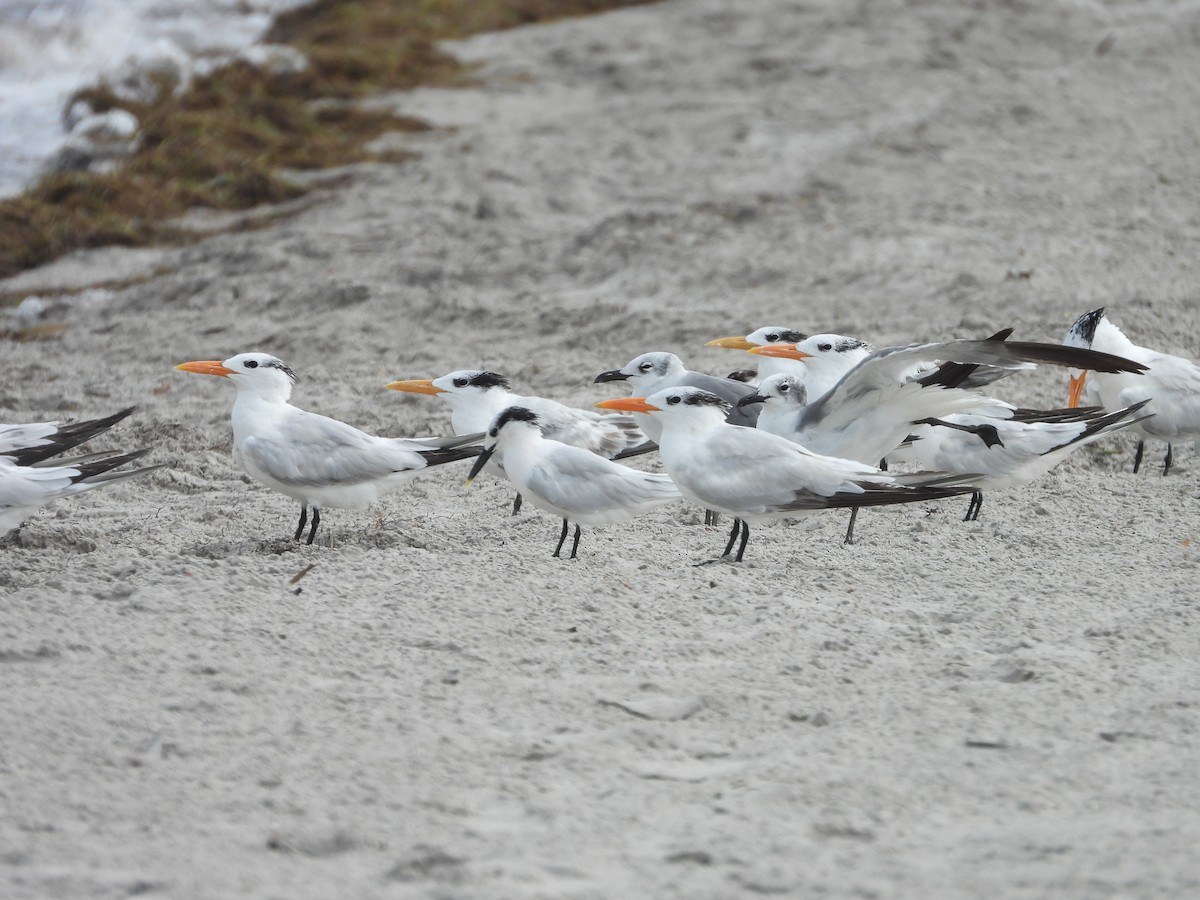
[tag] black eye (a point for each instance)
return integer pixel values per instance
(784, 388)
(460, 382)
(672, 400)
(250, 364)
(645, 367)
(772, 338)
(494, 432)
(825, 346)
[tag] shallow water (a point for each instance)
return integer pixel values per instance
(51, 48)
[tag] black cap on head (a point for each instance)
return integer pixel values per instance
(515, 414)
(488, 380)
(1085, 326)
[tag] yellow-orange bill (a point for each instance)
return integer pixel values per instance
(416, 386)
(732, 343)
(628, 404)
(783, 351)
(206, 367)
(1076, 389)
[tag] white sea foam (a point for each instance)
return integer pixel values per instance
(51, 48)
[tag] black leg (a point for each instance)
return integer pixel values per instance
(517, 504)
(561, 538)
(1137, 457)
(737, 523)
(974, 506)
(850, 528)
(745, 538)
(312, 532)
(303, 521)
(1167, 461)
(712, 517)
(883, 464)
(575, 544)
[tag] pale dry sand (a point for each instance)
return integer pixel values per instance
(1006, 708)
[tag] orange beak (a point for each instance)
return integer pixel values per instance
(1076, 389)
(629, 404)
(417, 386)
(206, 367)
(783, 351)
(732, 343)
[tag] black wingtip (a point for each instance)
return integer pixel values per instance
(69, 436)
(453, 454)
(1074, 357)
(100, 466)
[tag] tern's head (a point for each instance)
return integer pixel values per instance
(834, 351)
(1083, 331)
(513, 424)
(464, 383)
(829, 354)
(683, 406)
(779, 390)
(647, 369)
(768, 334)
(256, 373)
(1094, 331)
(514, 420)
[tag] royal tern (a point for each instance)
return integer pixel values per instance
(26, 489)
(755, 475)
(821, 360)
(767, 334)
(651, 372)
(655, 371)
(566, 480)
(476, 398)
(869, 410)
(1009, 451)
(314, 459)
(1170, 383)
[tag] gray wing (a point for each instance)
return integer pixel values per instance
(885, 368)
(758, 472)
(315, 451)
(605, 434)
(596, 488)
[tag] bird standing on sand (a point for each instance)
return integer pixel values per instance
(317, 460)
(568, 481)
(752, 474)
(1170, 383)
(477, 397)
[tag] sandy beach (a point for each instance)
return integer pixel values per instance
(1004, 708)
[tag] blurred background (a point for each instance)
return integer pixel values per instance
(49, 49)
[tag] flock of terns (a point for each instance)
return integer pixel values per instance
(821, 424)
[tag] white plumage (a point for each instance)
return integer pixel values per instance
(1171, 384)
(30, 479)
(570, 482)
(312, 458)
(752, 474)
(652, 372)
